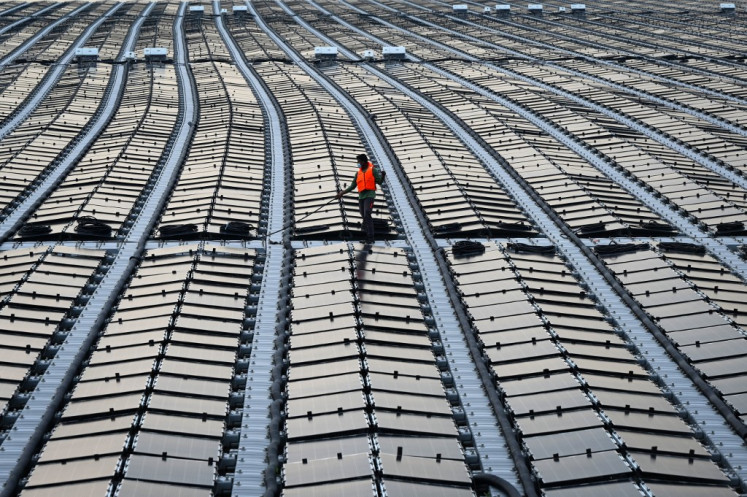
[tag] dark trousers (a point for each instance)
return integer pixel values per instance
(365, 205)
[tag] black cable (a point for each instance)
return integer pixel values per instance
(177, 230)
(618, 248)
(466, 248)
(89, 225)
(448, 229)
(533, 249)
(34, 229)
(732, 228)
(688, 248)
(496, 481)
(237, 228)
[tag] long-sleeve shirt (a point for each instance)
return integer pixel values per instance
(365, 193)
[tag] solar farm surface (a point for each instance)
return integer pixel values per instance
(554, 303)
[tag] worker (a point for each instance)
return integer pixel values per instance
(365, 180)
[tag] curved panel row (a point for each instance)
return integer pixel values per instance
(366, 407)
(589, 411)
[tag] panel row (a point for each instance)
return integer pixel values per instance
(152, 408)
(367, 413)
(219, 190)
(30, 149)
(587, 409)
(96, 198)
(697, 303)
(18, 80)
(41, 292)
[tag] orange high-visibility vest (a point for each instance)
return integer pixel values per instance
(365, 180)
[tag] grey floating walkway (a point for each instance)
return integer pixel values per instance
(251, 464)
(10, 10)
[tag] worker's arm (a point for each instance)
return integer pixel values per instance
(379, 175)
(350, 188)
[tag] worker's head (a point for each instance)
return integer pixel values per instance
(362, 160)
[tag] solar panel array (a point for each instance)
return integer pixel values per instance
(554, 303)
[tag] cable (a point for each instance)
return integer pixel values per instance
(534, 249)
(237, 228)
(177, 230)
(497, 482)
(688, 248)
(618, 248)
(34, 229)
(89, 225)
(466, 248)
(732, 228)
